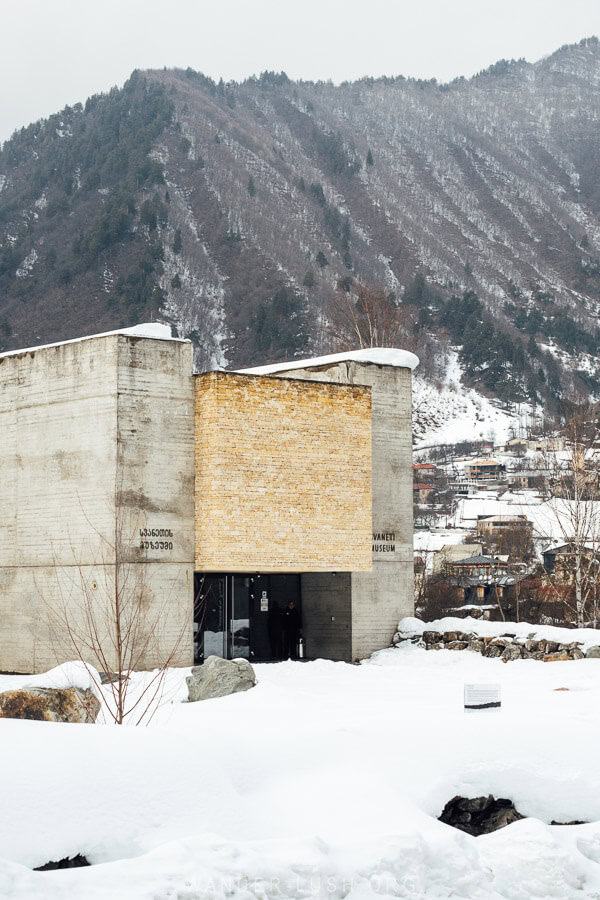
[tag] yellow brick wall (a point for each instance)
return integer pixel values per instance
(283, 475)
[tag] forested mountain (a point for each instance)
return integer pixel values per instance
(242, 212)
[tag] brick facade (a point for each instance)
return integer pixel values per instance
(283, 475)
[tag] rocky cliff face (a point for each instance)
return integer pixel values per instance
(237, 211)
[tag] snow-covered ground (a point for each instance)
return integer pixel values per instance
(452, 412)
(325, 780)
(553, 520)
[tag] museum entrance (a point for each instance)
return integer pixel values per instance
(240, 615)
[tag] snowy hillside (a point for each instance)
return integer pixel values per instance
(449, 412)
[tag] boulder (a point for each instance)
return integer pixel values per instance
(450, 636)
(557, 657)
(456, 645)
(493, 650)
(50, 704)
(475, 646)
(512, 651)
(432, 637)
(465, 636)
(593, 652)
(479, 815)
(576, 653)
(219, 677)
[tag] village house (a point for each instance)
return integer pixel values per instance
(424, 470)
(422, 491)
(559, 559)
(451, 553)
(485, 469)
(526, 479)
(491, 526)
(480, 579)
(517, 446)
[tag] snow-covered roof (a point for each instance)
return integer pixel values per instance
(378, 356)
(484, 462)
(502, 518)
(476, 560)
(155, 330)
(587, 545)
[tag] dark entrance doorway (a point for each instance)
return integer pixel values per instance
(240, 615)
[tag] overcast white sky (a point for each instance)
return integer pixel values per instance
(54, 52)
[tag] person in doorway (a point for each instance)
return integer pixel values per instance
(292, 629)
(274, 626)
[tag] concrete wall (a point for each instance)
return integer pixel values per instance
(381, 597)
(97, 443)
(283, 475)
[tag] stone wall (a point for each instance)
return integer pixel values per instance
(506, 647)
(283, 475)
(97, 448)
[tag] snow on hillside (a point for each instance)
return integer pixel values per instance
(451, 412)
(325, 780)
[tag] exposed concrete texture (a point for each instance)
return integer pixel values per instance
(96, 453)
(380, 597)
(283, 475)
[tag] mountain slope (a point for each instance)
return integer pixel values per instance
(236, 211)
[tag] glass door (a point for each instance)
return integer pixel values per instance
(211, 616)
(239, 609)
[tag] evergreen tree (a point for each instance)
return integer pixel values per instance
(251, 187)
(177, 242)
(369, 158)
(322, 260)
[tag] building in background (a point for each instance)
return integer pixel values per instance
(221, 497)
(485, 469)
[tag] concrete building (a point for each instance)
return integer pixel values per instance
(202, 503)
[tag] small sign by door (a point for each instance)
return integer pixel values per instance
(264, 602)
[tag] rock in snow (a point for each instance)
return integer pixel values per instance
(219, 677)
(50, 705)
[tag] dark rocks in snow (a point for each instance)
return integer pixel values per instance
(434, 637)
(218, 677)
(482, 815)
(50, 705)
(479, 815)
(69, 862)
(574, 822)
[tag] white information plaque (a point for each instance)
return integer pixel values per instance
(482, 696)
